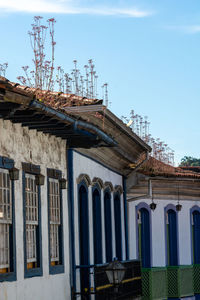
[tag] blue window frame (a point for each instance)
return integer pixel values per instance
(108, 224)
(55, 222)
(7, 222)
(144, 240)
(32, 221)
(97, 232)
(195, 230)
(171, 235)
(84, 235)
(118, 226)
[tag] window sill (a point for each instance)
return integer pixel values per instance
(57, 269)
(33, 272)
(8, 276)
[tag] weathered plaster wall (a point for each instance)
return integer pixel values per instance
(24, 145)
(158, 231)
(84, 165)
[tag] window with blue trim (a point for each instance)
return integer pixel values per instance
(7, 222)
(171, 232)
(97, 233)
(108, 225)
(84, 235)
(32, 221)
(144, 237)
(55, 220)
(118, 226)
(196, 236)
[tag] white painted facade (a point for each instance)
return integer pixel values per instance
(158, 231)
(85, 165)
(24, 145)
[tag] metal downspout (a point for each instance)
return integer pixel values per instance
(54, 113)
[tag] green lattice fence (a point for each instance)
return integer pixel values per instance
(180, 281)
(154, 284)
(196, 277)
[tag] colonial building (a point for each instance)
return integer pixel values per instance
(99, 208)
(164, 232)
(58, 242)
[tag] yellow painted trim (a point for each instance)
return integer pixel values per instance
(131, 279)
(106, 286)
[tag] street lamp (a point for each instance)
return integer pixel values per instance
(115, 272)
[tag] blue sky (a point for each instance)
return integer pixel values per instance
(148, 52)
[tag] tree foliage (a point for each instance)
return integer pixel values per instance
(187, 161)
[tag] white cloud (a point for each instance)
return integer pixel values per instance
(68, 7)
(190, 29)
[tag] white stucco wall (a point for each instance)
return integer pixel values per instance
(158, 231)
(24, 145)
(84, 165)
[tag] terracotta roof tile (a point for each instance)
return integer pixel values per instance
(153, 167)
(54, 99)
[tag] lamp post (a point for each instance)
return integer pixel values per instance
(115, 272)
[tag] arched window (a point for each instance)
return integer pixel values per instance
(144, 235)
(171, 237)
(196, 235)
(97, 233)
(108, 225)
(118, 226)
(83, 235)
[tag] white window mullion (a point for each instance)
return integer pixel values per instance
(31, 190)
(54, 210)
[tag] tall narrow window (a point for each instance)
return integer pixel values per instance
(55, 225)
(6, 225)
(118, 226)
(108, 225)
(196, 236)
(144, 237)
(84, 236)
(31, 191)
(171, 230)
(5, 220)
(97, 233)
(32, 226)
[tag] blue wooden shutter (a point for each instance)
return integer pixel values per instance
(172, 233)
(108, 226)
(145, 238)
(97, 233)
(84, 236)
(196, 237)
(118, 227)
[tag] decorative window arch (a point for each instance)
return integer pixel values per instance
(171, 235)
(144, 233)
(118, 189)
(97, 181)
(195, 234)
(85, 178)
(108, 185)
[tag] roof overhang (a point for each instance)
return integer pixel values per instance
(21, 108)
